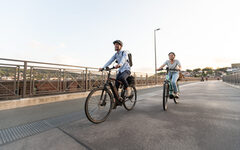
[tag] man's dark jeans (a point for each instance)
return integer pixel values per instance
(122, 76)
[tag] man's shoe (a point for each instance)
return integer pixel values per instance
(118, 103)
(128, 92)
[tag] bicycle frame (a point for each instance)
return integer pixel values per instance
(112, 87)
(97, 110)
(168, 81)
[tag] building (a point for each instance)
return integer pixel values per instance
(236, 65)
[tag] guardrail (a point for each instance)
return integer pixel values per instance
(233, 78)
(20, 78)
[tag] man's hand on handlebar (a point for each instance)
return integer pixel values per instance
(107, 68)
(117, 66)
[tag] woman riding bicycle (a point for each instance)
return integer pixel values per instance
(173, 63)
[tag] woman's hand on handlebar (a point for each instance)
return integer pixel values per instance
(101, 69)
(178, 68)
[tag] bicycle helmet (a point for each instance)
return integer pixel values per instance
(119, 42)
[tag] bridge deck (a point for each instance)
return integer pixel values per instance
(207, 117)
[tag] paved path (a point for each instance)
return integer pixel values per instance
(207, 117)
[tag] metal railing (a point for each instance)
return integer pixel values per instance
(233, 78)
(20, 78)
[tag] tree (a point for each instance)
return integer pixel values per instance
(222, 69)
(208, 70)
(197, 70)
(189, 70)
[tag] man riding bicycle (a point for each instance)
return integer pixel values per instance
(173, 63)
(124, 68)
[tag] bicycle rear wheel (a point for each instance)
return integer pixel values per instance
(129, 102)
(98, 105)
(165, 96)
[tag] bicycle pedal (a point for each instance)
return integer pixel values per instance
(119, 104)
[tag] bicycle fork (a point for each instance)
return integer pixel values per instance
(103, 100)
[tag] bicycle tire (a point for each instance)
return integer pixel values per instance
(133, 100)
(165, 96)
(90, 99)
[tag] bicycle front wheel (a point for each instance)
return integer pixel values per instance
(165, 96)
(130, 101)
(98, 105)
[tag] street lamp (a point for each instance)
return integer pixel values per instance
(155, 54)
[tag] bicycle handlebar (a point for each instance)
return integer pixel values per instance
(109, 69)
(170, 69)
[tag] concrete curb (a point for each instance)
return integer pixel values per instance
(232, 85)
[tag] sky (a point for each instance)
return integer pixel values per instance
(202, 33)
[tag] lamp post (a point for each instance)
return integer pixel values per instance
(155, 54)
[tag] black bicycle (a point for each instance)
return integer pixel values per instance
(102, 100)
(168, 90)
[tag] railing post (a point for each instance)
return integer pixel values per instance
(64, 80)
(146, 79)
(86, 80)
(238, 78)
(33, 83)
(24, 79)
(15, 82)
(135, 78)
(31, 87)
(60, 80)
(89, 77)
(18, 81)
(155, 79)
